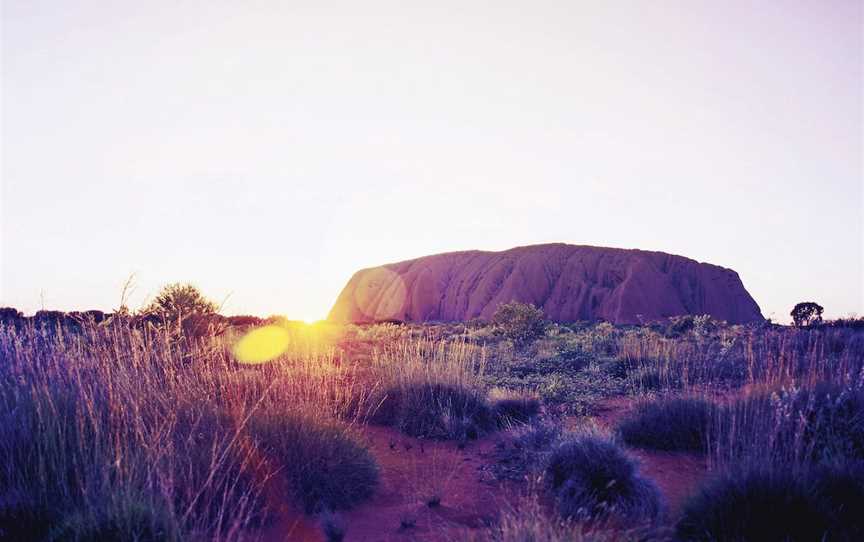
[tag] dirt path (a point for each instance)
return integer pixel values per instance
(415, 473)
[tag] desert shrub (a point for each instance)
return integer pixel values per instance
(594, 479)
(648, 379)
(128, 518)
(209, 451)
(10, 316)
(332, 526)
(528, 522)
(431, 388)
(615, 367)
(511, 408)
(21, 518)
(678, 325)
(522, 323)
(244, 320)
(326, 466)
(567, 362)
(556, 389)
(850, 323)
(840, 489)
(576, 394)
(524, 449)
(652, 374)
(835, 422)
(601, 338)
(10, 313)
(764, 502)
(698, 325)
(796, 426)
(672, 425)
(538, 436)
(436, 410)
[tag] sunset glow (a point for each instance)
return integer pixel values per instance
(312, 141)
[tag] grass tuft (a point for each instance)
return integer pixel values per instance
(671, 425)
(513, 408)
(764, 502)
(326, 466)
(594, 479)
(436, 411)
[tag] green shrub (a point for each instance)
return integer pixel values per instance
(522, 323)
(325, 465)
(672, 425)
(593, 479)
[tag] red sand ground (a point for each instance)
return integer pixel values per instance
(413, 470)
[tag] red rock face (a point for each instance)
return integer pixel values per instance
(568, 282)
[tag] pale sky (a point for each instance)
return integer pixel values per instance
(268, 150)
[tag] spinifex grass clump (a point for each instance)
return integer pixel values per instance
(130, 517)
(435, 410)
(512, 407)
(763, 502)
(524, 450)
(672, 425)
(594, 479)
(432, 389)
(528, 522)
(792, 427)
(326, 466)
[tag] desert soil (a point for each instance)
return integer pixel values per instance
(414, 471)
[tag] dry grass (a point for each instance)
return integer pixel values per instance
(124, 419)
(170, 437)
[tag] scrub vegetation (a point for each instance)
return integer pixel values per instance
(146, 427)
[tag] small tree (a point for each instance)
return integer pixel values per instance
(183, 305)
(522, 323)
(807, 313)
(178, 300)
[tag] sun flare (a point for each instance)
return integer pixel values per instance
(262, 345)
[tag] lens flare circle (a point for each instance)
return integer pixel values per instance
(381, 294)
(262, 344)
